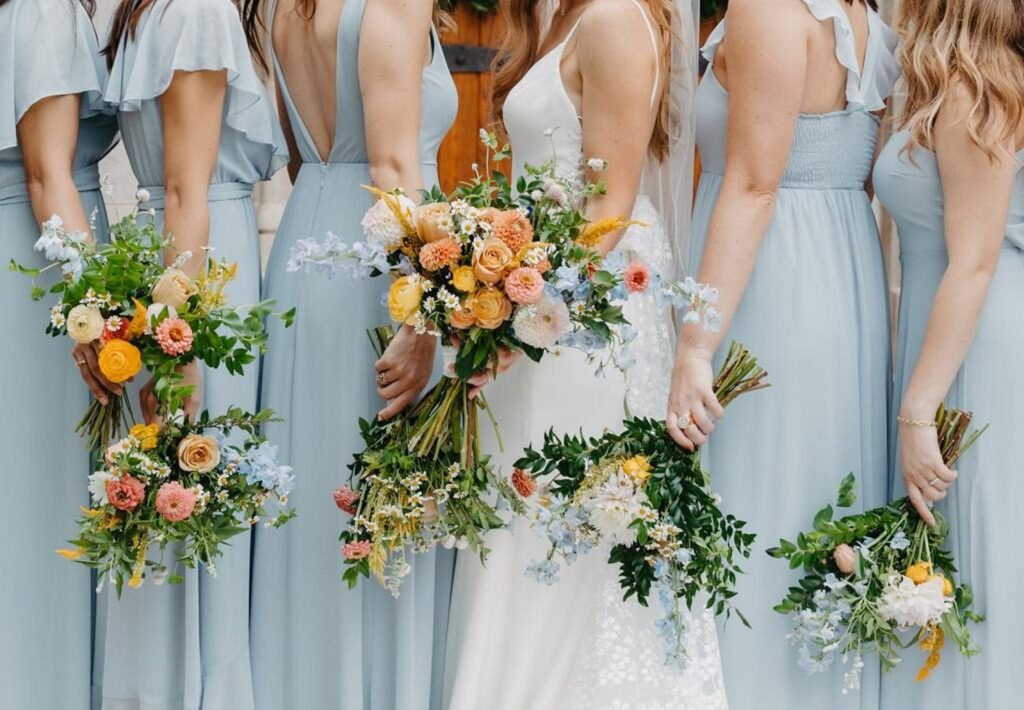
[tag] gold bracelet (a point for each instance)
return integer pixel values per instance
(916, 422)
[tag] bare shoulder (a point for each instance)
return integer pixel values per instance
(785, 19)
(613, 30)
(405, 15)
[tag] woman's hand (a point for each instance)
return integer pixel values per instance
(86, 358)
(692, 404)
(927, 478)
(404, 370)
(191, 375)
(506, 359)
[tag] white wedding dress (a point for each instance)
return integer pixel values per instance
(516, 644)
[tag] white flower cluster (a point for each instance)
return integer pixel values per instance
(910, 605)
(382, 226)
(63, 247)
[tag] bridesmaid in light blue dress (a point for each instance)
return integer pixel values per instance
(50, 71)
(960, 217)
(804, 78)
(185, 647)
(316, 643)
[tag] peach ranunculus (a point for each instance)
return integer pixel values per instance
(845, 558)
(346, 499)
(198, 453)
(173, 289)
(491, 308)
(490, 261)
(463, 318)
(463, 279)
(120, 361)
(125, 493)
(85, 324)
(146, 434)
(434, 221)
(175, 502)
(637, 277)
(404, 298)
(524, 285)
(357, 550)
(513, 228)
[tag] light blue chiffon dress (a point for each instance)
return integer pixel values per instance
(815, 315)
(317, 644)
(47, 48)
(983, 506)
(184, 647)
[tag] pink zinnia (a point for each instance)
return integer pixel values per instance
(125, 493)
(174, 336)
(175, 502)
(524, 285)
(346, 499)
(437, 255)
(637, 277)
(356, 550)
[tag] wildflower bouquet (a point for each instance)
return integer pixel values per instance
(178, 482)
(487, 268)
(120, 298)
(870, 576)
(638, 493)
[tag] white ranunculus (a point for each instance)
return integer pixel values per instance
(910, 605)
(85, 324)
(98, 487)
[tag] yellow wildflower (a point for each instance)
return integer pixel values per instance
(932, 642)
(89, 512)
(638, 469)
(919, 572)
(463, 279)
(594, 232)
(71, 554)
(139, 321)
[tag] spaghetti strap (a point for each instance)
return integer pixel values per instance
(654, 44)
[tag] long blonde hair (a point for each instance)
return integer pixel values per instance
(978, 43)
(521, 43)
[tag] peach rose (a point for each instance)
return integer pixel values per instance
(845, 558)
(490, 260)
(173, 289)
(463, 318)
(491, 308)
(433, 221)
(198, 453)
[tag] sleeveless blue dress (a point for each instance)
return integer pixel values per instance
(47, 48)
(815, 314)
(186, 646)
(982, 506)
(317, 644)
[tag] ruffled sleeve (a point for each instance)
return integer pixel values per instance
(710, 47)
(47, 48)
(198, 35)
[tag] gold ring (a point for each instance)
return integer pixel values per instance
(80, 363)
(685, 420)
(382, 380)
(932, 482)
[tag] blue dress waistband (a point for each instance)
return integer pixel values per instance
(86, 179)
(218, 192)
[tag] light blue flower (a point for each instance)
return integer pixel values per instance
(260, 466)
(544, 571)
(899, 541)
(567, 278)
(615, 262)
(582, 291)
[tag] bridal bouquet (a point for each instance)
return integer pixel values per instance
(120, 298)
(648, 500)
(485, 269)
(873, 575)
(178, 482)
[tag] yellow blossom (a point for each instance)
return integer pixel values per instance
(89, 512)
(947, 586)
(594, 232)
(139, 321)
(638, 469)
(146, 435)
(71, 554)
(932, 642)
(463, 279)
(919, 572)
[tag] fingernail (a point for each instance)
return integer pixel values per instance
(103, 401)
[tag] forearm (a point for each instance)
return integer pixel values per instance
(392, 171)
(740, 220)
(601, 207)
(55, 193)
(951, 327)
(187, 218)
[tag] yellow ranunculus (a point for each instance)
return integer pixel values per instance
(490, 308)
(947, 586)
(463, 279)
(919, 572)
(638, 469)
(146, 434)
(120, 361)
(404, 298)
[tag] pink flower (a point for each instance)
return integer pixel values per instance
(175, 502)
(845, 558)
(174, 336)
(346, 499)
(356, 550)
(523, 483)
(637, 277)
(437, 255)
(125, 493)
(524, 285)
(513, 228)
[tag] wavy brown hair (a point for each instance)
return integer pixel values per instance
(89, 5)
(253, 20)
(976, 43)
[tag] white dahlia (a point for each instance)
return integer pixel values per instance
(910, 605)
(542, 324)
(381, 226)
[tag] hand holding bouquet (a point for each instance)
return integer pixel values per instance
(179, 482)
(870, 576)
(120, 299)
(647, 500)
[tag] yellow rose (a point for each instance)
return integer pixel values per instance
(490, 260)
(490, 308)
(198, 453)
(919, 573)
(173, 289)
(404, 298)
(433, 221)
(947, 586)
(463, 279)
(638, 469)
(463, 318)
(146, 435)
(120, 361)
(85, 324)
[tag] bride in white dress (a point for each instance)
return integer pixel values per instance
(614, 80)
